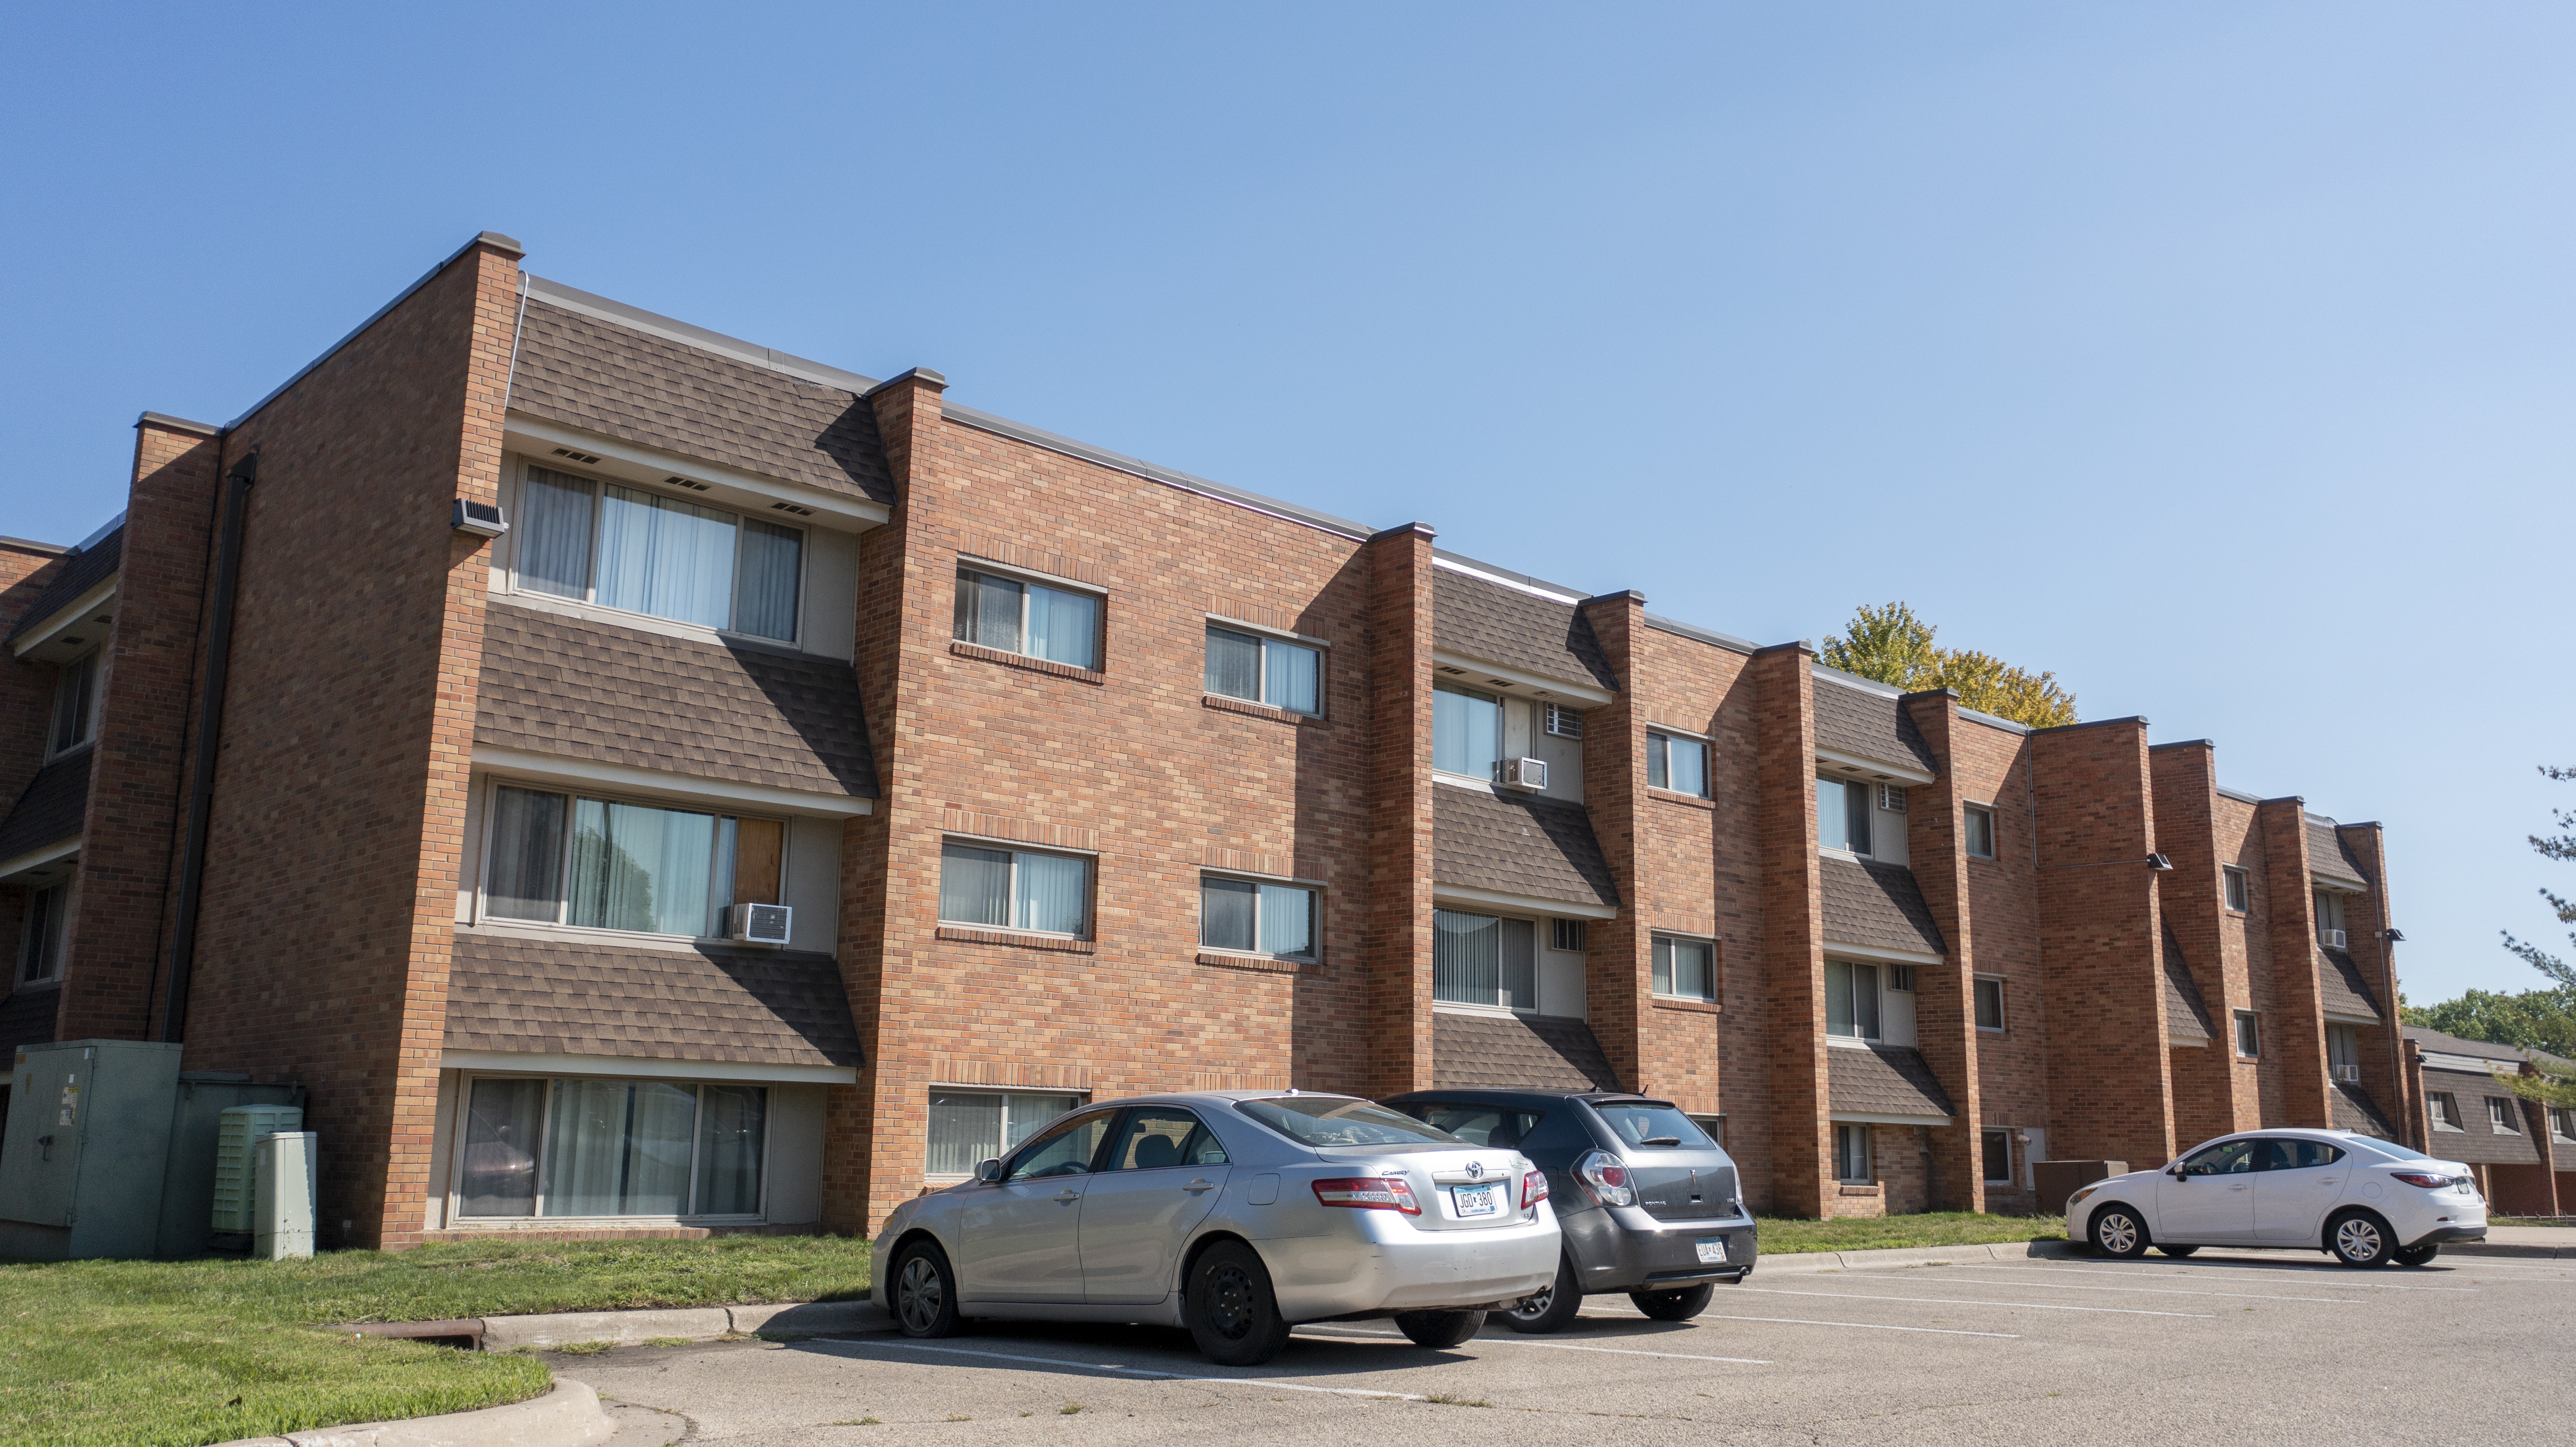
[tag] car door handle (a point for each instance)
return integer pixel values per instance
(1068, 1195)
(1201, 1184)
(2325, 1180)
(2236, 1188)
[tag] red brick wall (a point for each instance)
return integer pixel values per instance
(2366, 921)
(26, 701)
(1793, 958)
(330, 885)
(2193, 901)
(1945, 1020)
(2294, 1029)
(1992, 766)
(1618, 954)
(1390, 1041)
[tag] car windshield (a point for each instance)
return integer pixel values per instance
(1338, 1120)
(1654, 1125)
(1477, 1125)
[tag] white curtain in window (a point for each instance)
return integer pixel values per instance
(618, 1148)
(765, 605)
(1520, 965)
(635, 867)
(1233, 664)
(1226, 908)
(974, 885)
(964, 1129)
(1051, 893)
(554, 534)
(526, 877)
(1293, 675)
(732, 1122)
(665, 557)
(1689, 767)
(1287, 920)
(988, 612)
(1030, 1113)
(1466, 957)
(502, 1121)
(1063, 626)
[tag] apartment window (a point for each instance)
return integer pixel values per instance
(1016, 889)
(2329, 918)
(2562, 1125)
(1686, 969)
(2249, 1040)
(969, 1127)
(1842, 815)
(2343, 1053)
(1676, 763)
(1265, 670)
(1483, 959)
(1244, 914)
(592, 1147)
(40, 950)
(1466, 731)
(1851, 1000)
(2445, 1110)
(75, 704)
(1990, 1002)
(597, 863)
(1998, 1156)
(1566, 935)
(1980, 825)
(1059, 625)
(2239, 890)
(1565, 723)
(1851, 1154)
(646, 553)
(1901, 977)
(2502, 1118)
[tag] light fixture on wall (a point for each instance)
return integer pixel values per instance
(2159, 863)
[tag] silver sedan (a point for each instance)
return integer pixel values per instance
(1233, 1213)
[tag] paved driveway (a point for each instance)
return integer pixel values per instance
(2225, 1350)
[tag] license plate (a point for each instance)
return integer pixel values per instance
(1477, 1200)
(1713, 1249)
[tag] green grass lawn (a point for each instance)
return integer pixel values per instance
(190, 1352)
(1783, 1236)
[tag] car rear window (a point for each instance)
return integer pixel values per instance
(1653, 1125)
(1477, 1125)
(1338, 1120)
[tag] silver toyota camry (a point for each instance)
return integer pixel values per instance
(1233, 1213)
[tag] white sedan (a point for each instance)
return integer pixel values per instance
(2361, 1200)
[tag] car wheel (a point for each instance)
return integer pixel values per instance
(1439, 1330)
(1232, 1313)
(2177, 1251)
(2117, 1231)
(1552, 1307)
(924, 1297)
(2417, 1255)
(1677, 1305)
(2358, 1238)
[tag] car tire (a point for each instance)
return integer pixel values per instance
(1439, 1330)
(2120, 1232)
(2417, 1255)
(2359, 1238)
(1552, 1307)
(1233, 1314)
(923, 1291)
(1680, 1304)
(2177, 1252)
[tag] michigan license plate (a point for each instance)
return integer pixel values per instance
(1477, 1200)
(1713, 1250)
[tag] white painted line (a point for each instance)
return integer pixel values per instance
(2191, 1275)
(1562, 1346)
(1955, 1301)
(1857, 1325)
(1266, 1383)
(2146, 1290)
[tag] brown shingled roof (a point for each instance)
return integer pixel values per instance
(1534, 1052)
(1868, 725)
(81, 572)
(2341, 988)
(1505, 625)
(1884, 1080)
(2477, 1142)
(2328, 857)
(586, 372)
(1517, 844)
(582, 688)
(1868, 903)
(2186, 1014)
(53, 807)
(27, 1018)
(555, 997)
(2355, 1111)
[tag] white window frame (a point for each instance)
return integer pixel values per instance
(1024, 579)
(2562, 1124)
(536, 1219)
(1866, 847)
(1081, 1101)
(94, 661)
(1659, 748)
(1676, 937)
(1985, 1133)
(2239, 894)
(1560, 931)
(598, 520)
(1270, 638)
(1313, 888)
(494, 783)
(2444, 1108)
(2503, 1118)
(1878, 1003)
(2328, 904)
(2242, 1020)
(30, 947)
(1538, 969)
(1090, 884)
(1556, 713)
(2003, 1003)
(1493, 772)
(1986, 812)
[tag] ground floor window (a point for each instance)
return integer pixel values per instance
(591, 1147)
(1483, 959)
(1998, 1157)
(968, 1127)
(1851, 1154)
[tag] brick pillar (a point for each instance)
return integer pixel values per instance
(1793, 955)
(1945, 1016)
(2294, 1042)
(2192, 901)
(2109, 1087)
(1397, 938)
(1619, 954)
(2366, 929)
(127, 853)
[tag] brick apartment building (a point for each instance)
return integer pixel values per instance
(2522, 1152)
(1081, 777)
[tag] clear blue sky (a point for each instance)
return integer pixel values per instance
(2216, 357)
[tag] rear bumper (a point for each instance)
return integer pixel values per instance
(1396, 1268)
(2445, 1235)
(1620, 1249)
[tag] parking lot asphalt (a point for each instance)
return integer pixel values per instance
(2253, 1347)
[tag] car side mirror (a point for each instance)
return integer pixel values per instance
(989, 1172)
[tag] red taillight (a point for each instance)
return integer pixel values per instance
(1605, 1179)
(1533, 1188)
(2419, 1178)
(1369, 1193)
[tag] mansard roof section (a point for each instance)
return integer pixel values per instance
(589, 363)
(2341, 988)
(81, 573)
(1868, 720)
(53, 809)
(2186, 1013)
(1884, 1080)
(2327, 857)
(1479, 618)
(557, 997)
(1876, 906)
(1537, 1052)
(1512, 844)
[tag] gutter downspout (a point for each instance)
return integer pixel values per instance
(210, 714)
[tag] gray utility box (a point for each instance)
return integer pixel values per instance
(2058, 1180)
(110, 1150)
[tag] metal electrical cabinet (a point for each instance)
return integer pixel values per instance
(87, 1149)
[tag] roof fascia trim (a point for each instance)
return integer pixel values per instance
(1505, 577)
(1527, 903)
(564, 767)
(646, 1066)
(1863, 1117)
(1879, 952)
(1909, 773)
(1591, 693)
(45, 630)
(39, 857)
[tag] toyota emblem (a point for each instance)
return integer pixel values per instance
(1475, 1170)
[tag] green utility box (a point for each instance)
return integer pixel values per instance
(193, 1201)
(87, 1150)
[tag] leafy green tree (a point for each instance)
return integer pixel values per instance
(1893, 646)
(2532, 1020)
(2561, 847)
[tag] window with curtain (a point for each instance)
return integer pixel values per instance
(1483, 959)
(1851, 1000)
(623, 547)
(1685, 969)
(1466, 731)
(1842, 815)
(968, 1127)
(583, 1146)
(1678, 764)
(1265, 670)
(601, 863)
(1257, 917)
(1980, 828)
(75, 704)
(1017, 889)
(1059, 625)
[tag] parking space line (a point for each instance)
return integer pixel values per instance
(1266, 1383)
(2148, 1290)
(1561, 1346)
(2184, 1274)
(1954, 1301)
(1857, 1325)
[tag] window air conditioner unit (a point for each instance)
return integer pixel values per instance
(2331, 938)
(482, 519)
(1891, 797)
(1524, 773)
(1565, 723)
(2348, 1073)
(762, 924)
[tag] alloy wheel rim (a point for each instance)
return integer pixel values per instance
(1535, 1305)
(920, 1294)
(1230, 1302)
(2119, 1233)
(2357, 1239)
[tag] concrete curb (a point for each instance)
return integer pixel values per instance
(568, 1416)
(2499, 1248)
(1803, 1261)
(566, 1328)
